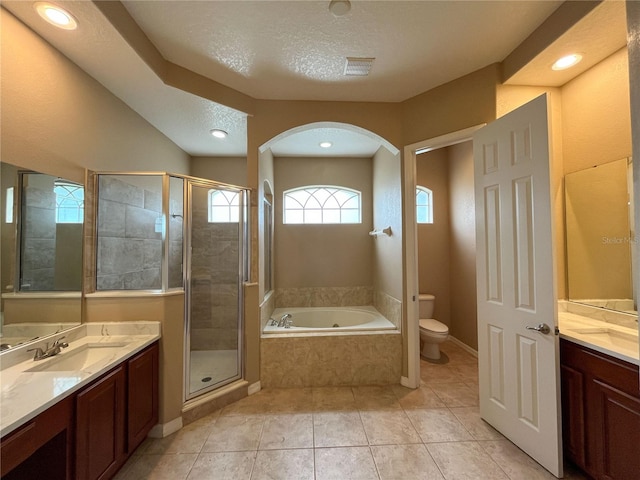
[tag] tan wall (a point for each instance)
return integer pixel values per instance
(69, 120)
(596, 115)
(169, 311)
(230, 170)
(462, 249)
(433, 239)
(387, 212)
(323, 255)
(461, 103)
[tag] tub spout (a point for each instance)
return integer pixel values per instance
(285, 321)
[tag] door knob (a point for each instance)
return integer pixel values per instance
(542, 328)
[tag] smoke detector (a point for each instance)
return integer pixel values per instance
(358, 67)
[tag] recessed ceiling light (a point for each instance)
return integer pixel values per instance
(216, 132)
(56, 15)
(566, 61)
(326, 144)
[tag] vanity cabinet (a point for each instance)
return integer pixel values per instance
(91, 433)
(100, 426)
(601, 412)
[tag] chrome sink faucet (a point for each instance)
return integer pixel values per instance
(49, 351)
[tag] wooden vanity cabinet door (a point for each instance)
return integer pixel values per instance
(100, 424)
(142, 396)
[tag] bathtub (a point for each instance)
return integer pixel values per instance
(329, 320)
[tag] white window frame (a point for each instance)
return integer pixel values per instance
(321, 205)
(223, 212)
(428, 205)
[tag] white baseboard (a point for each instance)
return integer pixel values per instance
(254, 388)
(464, 346)
(162, 430)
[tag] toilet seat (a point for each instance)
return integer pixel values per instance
(433, 325)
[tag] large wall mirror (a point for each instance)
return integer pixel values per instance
(601, 235)
(41, 255)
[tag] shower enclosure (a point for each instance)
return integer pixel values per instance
(169, 233)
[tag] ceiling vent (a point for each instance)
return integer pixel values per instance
(358, 67)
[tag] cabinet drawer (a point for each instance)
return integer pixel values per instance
(21, 444)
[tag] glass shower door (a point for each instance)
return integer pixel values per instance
(214, 286)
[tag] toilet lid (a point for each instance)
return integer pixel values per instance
(433, 325)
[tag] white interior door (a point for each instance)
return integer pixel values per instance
(519, 367)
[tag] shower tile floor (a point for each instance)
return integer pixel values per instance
(211, 366)
(336, 433)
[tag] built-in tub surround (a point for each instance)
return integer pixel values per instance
(326, 320)
(331, 356)
(324, 296)
(388, 306)
(25, 393)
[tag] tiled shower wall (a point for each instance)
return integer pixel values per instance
(214, 292)
(38, 238)
(129, 248)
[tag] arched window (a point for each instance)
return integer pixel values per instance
(224, 206)
(321, 204)
(424, 205)
(69, 202)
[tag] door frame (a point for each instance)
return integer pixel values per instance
(412, 380)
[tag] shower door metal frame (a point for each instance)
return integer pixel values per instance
(243, 263)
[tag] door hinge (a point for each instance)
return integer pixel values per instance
(557, 331)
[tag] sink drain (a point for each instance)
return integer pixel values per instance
(206, 379)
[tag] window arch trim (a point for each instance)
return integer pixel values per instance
(424, 205)
(322, 204)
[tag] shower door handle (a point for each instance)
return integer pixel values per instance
(542, 328)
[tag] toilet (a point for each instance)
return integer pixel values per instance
(432, 332)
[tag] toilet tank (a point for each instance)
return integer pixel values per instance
(427, 302)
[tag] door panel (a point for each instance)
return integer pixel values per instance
(519, 367)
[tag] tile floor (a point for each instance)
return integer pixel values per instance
(339, 433)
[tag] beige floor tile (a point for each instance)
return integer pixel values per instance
(338, 429)
(438, 425)
(388, 427)
(468, 372)
(284, 465)
(173, 466)
(465, 460)
(456, 394)
(189, 439)
(345, 463)
(478, 428)
(223, 466)
(235, 433)
(399, 462)
(333, 399)
(375, 398)
(422, 397)
(289, 400)
(436, 374)
(514, 462)
(251, 405)
(456, 353)
(294, 430)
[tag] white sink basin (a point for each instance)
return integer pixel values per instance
(621, 339)
(77, 359)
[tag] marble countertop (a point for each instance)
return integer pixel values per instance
(605, 337)
(24, 395)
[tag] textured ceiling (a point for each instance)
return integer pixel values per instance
(296, 50)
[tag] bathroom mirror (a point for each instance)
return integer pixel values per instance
(601, 235)
(41, 254)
